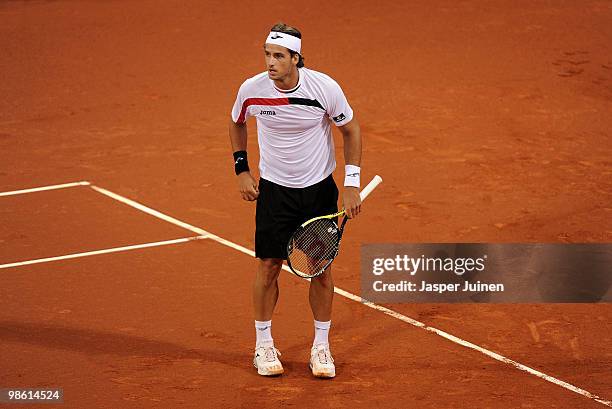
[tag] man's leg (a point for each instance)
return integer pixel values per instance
(321, 296)
(265, 288)
(265, 295)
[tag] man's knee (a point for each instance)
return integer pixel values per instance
(269, 269)
(324, 279)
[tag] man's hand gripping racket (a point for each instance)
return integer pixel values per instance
(315, 244)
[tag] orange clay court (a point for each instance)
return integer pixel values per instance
(488, 121)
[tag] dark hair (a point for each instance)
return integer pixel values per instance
(284, 28)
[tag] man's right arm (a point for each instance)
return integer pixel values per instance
(246, 183)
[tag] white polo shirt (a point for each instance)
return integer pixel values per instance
(293, 126)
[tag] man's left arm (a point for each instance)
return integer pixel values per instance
(352, 159)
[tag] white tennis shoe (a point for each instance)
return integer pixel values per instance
(321, 361)
(266, 360)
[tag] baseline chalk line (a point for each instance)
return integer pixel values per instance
(104, 251)
(205, 234)
(475, 347)
(43, 188)
(150, 211)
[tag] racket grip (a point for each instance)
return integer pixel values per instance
(371, 186)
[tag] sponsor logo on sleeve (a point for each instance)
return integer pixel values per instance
(339, 118)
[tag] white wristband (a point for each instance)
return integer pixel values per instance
(352, 175)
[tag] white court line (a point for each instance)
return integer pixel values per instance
(40, 189)
(150, 211)
(367, 303)
(177, 222)
(96, 252)
(475, 347)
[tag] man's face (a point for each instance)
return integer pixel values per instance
(278, 61)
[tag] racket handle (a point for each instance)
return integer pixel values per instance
(371, 186)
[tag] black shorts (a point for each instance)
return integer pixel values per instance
(281, 210)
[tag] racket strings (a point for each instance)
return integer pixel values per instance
(314, 246)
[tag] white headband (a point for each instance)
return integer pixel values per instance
(286, 40)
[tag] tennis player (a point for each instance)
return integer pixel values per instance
(294, 107)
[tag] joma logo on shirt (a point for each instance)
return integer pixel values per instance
(267, 113)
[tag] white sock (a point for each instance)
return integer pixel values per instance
(321, 332)
(263, 330)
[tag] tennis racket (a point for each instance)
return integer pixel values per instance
(315, 244)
